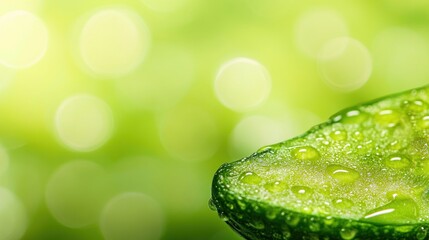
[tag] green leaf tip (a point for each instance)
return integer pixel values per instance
(363, 174)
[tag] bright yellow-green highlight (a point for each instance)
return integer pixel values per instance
(83, 122)
(345, 64)
(113, 42)
(242, 84)
(23, 39)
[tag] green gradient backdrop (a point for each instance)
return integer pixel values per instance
(168, 90)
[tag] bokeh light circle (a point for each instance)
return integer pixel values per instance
(316, 27)
(113, 42)
(242, 84)
(83, 122)
(13, 217)
(345, 64)
(189, 134)
(23, 39)
(75, 194)
(132, 216)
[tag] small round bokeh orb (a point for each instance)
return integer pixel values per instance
(83, 123)
(242, 84)
(113, 42)
(345, 64)
(23, 39)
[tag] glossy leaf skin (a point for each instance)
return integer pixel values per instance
(363, 174)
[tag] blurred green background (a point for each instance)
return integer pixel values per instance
(114, 115)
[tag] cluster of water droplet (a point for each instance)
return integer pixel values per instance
(369, 163)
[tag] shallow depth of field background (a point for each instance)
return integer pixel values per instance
(114, 115)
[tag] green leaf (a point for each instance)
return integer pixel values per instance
(363, 174)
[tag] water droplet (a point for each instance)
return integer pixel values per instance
(353, 113)
(358, 135)
(342, 203)
(388, 118)
(329, 220)
(323, 209)
(320, 137)
(369, 144)
(250, 178)
(342, 174)
(265, 149)
(286, 232)
(415, 106)
(424, 122)
(242, 205)
(223, 216)
(257, 224)
(314, 226)
(271, 214)
(422, 232)
(404, 229)
(212, 205)
(302, 192)
(397, 161)
(292, 220)
(305, 153)
(306, 210)
(395, 145)
(338, 135)
(400, 210)
(277, 236)
(354, 117)
(275, 187)
(230, 197)
(391, 195)
(348, 233)
(337, 118)
(256, 208)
